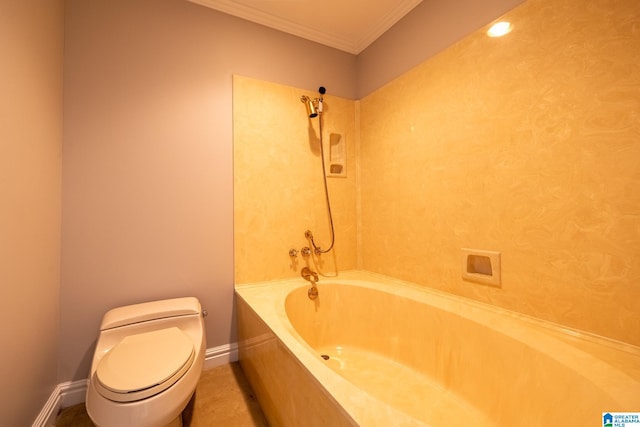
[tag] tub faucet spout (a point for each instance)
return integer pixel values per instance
(309, 275)
(312, 277)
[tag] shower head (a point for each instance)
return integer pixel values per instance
(311, 104)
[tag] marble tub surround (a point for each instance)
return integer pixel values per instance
(278, 187)
(526, 145)
(457, 356)
(288, 395)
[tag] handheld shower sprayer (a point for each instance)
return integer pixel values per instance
(314, 105)
(314, 109)
(311, 105)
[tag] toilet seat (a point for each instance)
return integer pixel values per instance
(143, 365)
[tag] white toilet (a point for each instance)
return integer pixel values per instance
(147, 363)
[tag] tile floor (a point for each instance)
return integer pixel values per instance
(223, 398)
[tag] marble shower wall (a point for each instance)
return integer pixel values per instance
(528, 145)
(278, 187)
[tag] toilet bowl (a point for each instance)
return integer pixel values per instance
(147, 363)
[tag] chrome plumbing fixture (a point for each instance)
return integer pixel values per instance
(305, 252)
(317, 249)
(314, 106)
(312, 277)
(314, 109)
(312, 293)
(309, 275)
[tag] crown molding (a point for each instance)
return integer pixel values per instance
(328, 39)
(403, 8)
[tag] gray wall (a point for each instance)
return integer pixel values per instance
(147, 173)
(31, 50)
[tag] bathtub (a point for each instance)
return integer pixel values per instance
(375, 351)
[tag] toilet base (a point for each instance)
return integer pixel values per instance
(176, 423)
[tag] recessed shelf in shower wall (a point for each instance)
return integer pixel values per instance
(337, 156)
(481, 266)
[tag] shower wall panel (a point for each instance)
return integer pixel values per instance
(278, 184)
(527, 145)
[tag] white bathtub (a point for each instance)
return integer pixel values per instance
(402, 355)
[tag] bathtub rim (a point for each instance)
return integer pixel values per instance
(347, 394)
(349, 397)
(362, 277)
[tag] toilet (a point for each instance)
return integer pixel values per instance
(147, 363)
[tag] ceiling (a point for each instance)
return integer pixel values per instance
(348, 25)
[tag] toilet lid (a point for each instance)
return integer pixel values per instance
(144, 364)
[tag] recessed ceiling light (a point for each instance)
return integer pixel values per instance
(499, 29)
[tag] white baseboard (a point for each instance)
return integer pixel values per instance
(63, 395)
(221, 355)
(72, 393)
(47, 416)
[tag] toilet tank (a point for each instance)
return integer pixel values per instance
(147, 311)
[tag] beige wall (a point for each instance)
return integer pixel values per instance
(148, 181)
(528, 145)
(278, 184)
(31, 48)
